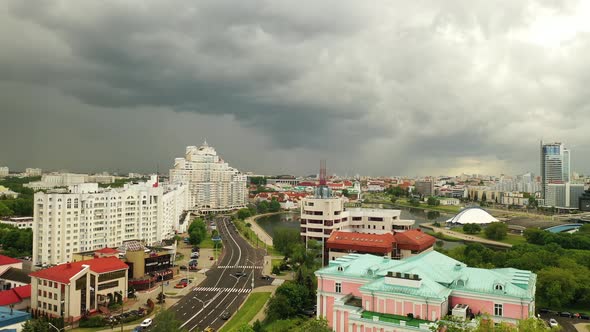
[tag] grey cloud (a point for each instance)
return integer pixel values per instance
(420, 80)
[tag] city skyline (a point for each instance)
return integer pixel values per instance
(414, 89)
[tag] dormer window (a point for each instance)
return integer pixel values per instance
(340, 268)
(498, 287)
(460, 283)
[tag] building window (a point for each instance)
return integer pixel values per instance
(498, 309)
(498, 287)
(338, 288)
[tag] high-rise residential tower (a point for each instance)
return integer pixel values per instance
(555, 164)
(214, 186)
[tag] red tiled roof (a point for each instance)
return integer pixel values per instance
(64, 272)
(369, 243)
(23, 291)
(307, 184)
(106, 250)
(5, 260)
(414, 239)
(15, 295)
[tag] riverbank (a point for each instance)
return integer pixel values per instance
(259, 231)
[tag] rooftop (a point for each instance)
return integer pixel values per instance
(439, 274)
(414, 239)
(375, 243)
(15, 295)
(473, 215)
(14, 274)
(5, 260)
(64, 272)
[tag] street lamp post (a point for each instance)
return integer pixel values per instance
(253, 267)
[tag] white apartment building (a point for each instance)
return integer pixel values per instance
(53, 180)
(322, 214)
(4, 171)
(87, 217)
(33, 172)
(214, 186)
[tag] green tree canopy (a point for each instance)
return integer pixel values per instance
(244, 213)
(165, 321)
(274, 205)
(496, 231)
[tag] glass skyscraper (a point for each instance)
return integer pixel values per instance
(555, 164)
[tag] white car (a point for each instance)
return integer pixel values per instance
(553, 323)
(146, 322)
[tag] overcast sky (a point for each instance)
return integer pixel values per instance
(374, 87)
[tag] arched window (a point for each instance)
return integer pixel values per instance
(460, 283)
(498, 287)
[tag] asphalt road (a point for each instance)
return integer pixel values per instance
(222, 290)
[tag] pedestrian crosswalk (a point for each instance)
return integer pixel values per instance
(239, 267)
(219, 289)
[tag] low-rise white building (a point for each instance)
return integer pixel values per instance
(19, 222)
(323, 213)
(4, 171)
(53, 180)
(88, 218)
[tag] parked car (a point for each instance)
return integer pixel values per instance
(565, 314)
(138, 329)
(543, 310)
(193, 262)
(225, 315)
(195, 249)
(265, 277)
(584, 316)
(195, 255)
(553, 323)
(209, 329)
(309, 312)
(146, 322)
(187, 240)
(239, 274)
(211, 258)
(187, 280)
(181, 285)
(183, 267)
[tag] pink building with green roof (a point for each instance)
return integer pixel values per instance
(362, 293)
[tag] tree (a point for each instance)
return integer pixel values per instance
(314, 325)
(262, 207)
(555, 287)
(197, 231)
(244, 328)
(289, 301)
(5, 210)
(393, 199)
(36, 325)
(345, 192)
(471, 228)
(285, 239)
(496, 231)
(244, 213)
(414, 202)
(432, 201)
(274, 205)
(165, 321)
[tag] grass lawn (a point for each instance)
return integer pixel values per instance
(442, 236)
(442, 208)
(251, 307)
(512, 239)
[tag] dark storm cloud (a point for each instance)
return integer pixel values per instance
(407, 86)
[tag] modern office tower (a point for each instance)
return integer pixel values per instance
(88, 218)
(555, 164)
(4, 171)
(214, 186)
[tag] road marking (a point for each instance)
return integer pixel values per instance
(240, 267)
(222, 290)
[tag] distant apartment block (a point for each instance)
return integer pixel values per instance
(4, 171)
(53, 180)
(564, 195)
(213, 185)
(33, 172)
(87, 217)
(19, 222)
(424, 188)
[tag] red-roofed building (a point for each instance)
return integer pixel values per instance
(8, 262)
(106, 252)
(74, 288)
(20, 297)
(396, 246)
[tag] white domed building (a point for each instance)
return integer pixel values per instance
(472, 215)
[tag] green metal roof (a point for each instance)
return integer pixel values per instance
(439, 275)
